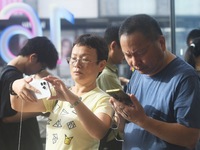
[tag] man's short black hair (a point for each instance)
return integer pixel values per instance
(112, 34)
(43, 48)
(142, 23)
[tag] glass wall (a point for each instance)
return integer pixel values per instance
(93, 16)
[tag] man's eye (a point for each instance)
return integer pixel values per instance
(141, 52)
(128, 55)
(73, 58)
(85, 60)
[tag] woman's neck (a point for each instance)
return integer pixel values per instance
(80, 89)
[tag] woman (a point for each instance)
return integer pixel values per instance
(192, 54)
(82, 114)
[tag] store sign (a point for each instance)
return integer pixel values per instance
(36, 28)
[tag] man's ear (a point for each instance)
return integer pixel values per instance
(113, 45)
(33, 58)
(162, 42)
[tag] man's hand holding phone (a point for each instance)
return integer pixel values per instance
(120, 95)
(127, 106)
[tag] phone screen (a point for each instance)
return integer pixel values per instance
(120, 95)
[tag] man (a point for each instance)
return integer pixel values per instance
(109, 78)
(21, 130)
(164, 90)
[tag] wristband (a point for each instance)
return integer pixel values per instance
(11, 90)
(76, 102)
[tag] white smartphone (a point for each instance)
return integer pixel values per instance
(120, 95)
(43, 87)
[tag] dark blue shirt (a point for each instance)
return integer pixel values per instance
(172, 96)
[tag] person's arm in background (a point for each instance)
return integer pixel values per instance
(124, 81)
(18, 116)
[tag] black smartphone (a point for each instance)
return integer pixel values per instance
(120, 95)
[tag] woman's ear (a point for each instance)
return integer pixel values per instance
(102, 65)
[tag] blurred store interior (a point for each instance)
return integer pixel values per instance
(176, 17)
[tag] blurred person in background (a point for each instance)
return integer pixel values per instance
(195, 33)
(109, 78)
(192, 54)
(63, 67)
(20, 130)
